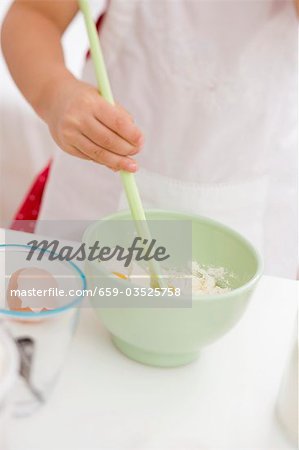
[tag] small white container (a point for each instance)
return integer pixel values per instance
(287, 405)
(8, 373)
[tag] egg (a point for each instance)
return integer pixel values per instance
(120, 275)
(23, 283)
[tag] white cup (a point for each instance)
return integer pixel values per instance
(8, 373)
(287, 405)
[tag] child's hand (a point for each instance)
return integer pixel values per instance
(85, 125)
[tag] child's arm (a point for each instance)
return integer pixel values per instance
(81, 122)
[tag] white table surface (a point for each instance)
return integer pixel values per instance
(225, 400)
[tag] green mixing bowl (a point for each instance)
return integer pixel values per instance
(169, 337)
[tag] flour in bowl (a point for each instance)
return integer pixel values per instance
(211, 280)
(205, 280)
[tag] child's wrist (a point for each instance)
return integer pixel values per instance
(51, 93)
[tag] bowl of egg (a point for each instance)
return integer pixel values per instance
(167, 331)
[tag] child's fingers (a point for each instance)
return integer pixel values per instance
(103, 156)
(104, 137)
(123, 110)
(119, 122)
(72, 150)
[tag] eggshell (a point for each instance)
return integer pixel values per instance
(26, 279)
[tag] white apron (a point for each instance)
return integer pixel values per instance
(212, 85)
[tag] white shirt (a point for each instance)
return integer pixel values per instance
(211, 84)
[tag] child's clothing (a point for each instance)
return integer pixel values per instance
(213, 86)
(27, 215)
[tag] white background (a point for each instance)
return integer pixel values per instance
(34, 145)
